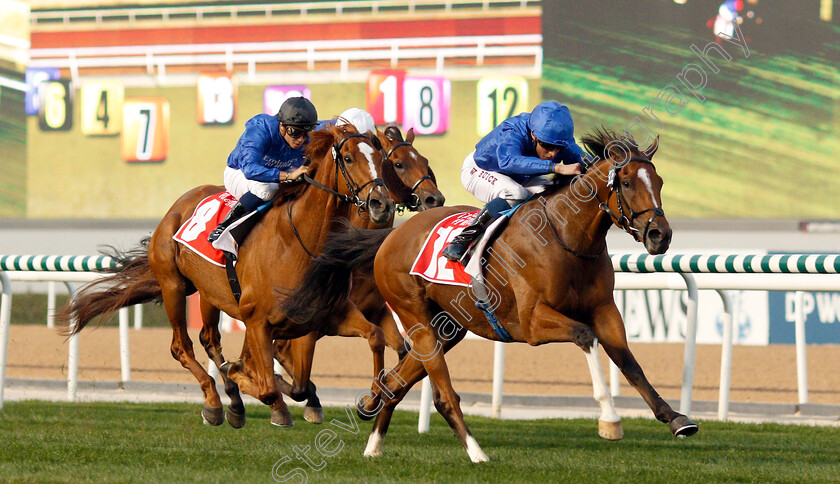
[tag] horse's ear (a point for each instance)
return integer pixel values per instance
(375, 140)
(335, 130)
(393, 133)
(651, 150)
(409, 136)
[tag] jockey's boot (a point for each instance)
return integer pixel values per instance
(457, 249)
(237, 212)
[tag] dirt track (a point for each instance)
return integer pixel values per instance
(760, 374)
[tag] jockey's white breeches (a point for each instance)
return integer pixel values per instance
(487, 185)
(238, 185)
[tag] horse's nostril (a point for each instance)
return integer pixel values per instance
(375, 204)
(432, 201)
(655, 235)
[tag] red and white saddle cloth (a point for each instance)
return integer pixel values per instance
(434, 267)
(207, 215)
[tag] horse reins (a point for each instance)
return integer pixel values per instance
(354, 187)
(415, 202)
(622, 220)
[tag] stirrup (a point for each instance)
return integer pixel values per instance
(216, 233)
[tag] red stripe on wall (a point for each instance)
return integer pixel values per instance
(273, 33)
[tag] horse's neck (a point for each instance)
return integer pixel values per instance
(575, 214)
(315, 209)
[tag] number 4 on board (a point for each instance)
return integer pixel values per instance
(102, 106)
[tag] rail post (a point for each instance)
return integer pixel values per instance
(5, 320)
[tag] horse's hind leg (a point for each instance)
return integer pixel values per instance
(211, 339)
(609, 329)
(175, 302)
(393, 338)
(381, 404)
(609, 423)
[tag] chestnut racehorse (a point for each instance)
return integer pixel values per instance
(412, 185)
(550, 279)
(343, 176)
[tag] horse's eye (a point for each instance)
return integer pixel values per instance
(625, 184)
(347, 159)
(398, 166)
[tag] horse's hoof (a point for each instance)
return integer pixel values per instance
(313, 415)
(683, 427)
(363, 414)
(280, 418)
(235, 419)
(610, 430)
(212, 415)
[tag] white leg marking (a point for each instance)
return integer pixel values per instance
(645, 176)
(474, 451)
(374, 445)
(599, 386)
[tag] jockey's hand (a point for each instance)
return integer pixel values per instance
(294, 174)
(573, 169)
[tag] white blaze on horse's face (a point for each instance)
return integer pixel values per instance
(367, 150)
(645, 176)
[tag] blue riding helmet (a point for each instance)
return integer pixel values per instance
(552, 123)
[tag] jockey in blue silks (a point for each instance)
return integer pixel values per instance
(510, 163)
(270, 150)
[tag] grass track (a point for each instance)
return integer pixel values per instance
(125, 442)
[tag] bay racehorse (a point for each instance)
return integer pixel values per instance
(411, 183)
(550, 279)
(343, 175)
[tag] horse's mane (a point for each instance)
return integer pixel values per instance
(320, 143)
(595, 143)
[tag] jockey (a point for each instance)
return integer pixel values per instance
(270, 150)
(510, 163)
(359, 118)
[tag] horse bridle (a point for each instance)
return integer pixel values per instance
(415, 202)
(622, 220)
(354, 187)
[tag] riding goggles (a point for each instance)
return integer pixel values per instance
(297, 133)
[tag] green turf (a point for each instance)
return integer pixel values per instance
(124, 442)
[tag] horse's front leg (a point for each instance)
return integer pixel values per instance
(609, 328)
(254, 373)
(549, 325)
(211, 339)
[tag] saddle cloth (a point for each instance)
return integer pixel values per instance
(206, 216)
(433, 267)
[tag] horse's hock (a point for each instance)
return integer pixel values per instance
(36, 352)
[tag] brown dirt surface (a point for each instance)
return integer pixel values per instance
(760, 374)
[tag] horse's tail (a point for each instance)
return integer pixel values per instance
(326, 283)
(132, 283)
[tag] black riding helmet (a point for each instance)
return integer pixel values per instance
(298, 112)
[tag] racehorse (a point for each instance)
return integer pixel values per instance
(552, 281)
(343, 175)
(411, 183)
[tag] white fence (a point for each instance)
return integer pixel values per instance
(153, 60)
(198, 13)
(779, 272)
(793, 272)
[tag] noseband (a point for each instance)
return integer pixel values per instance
(415, 201)
(622, 220)
(352, 186)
